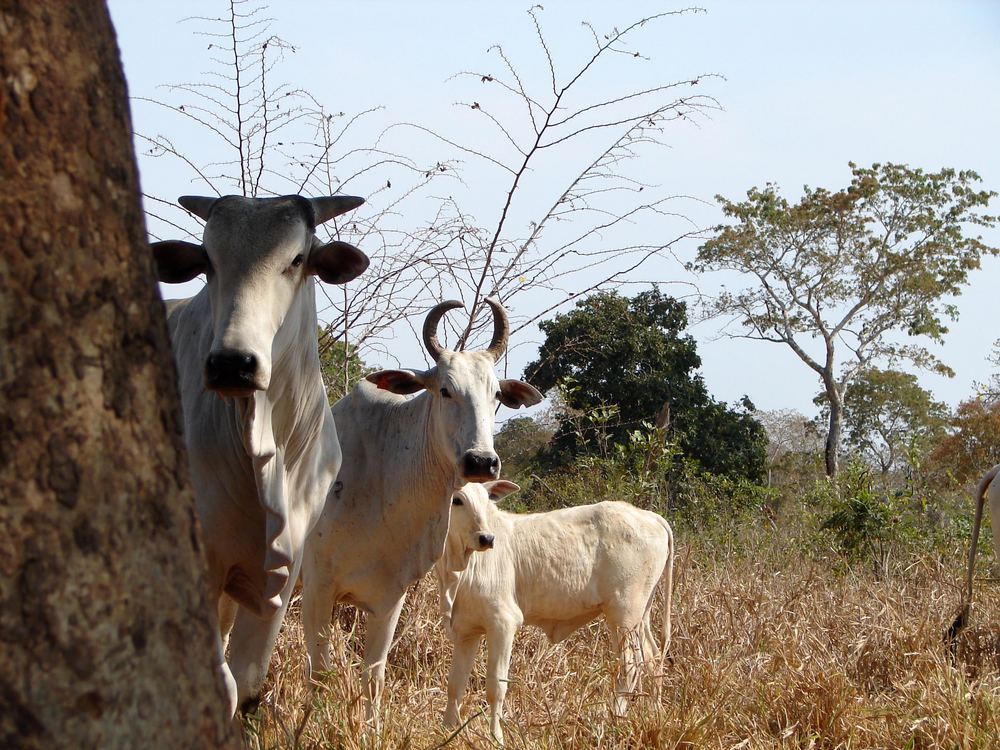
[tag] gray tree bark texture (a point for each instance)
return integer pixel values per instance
(105, 631)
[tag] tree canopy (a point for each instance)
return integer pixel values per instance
(626, 357)
(835, 275)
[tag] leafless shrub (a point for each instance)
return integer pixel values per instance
(571, 152)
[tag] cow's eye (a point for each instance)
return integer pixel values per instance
(297, 260)
(456, 501)
(498, 395)
(446, 393)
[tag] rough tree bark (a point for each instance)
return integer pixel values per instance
(105, 631)
(835, 399)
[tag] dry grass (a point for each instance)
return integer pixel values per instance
(780, 654)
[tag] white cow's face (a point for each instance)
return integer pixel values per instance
(464, 393)
(256, 255)
(470, 528)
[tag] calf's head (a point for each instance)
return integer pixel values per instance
(256, 255)
(470, 528)
(465, 392)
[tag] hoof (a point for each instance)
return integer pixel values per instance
(250, 705)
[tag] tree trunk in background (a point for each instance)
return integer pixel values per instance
(834, 432)
(105, 632)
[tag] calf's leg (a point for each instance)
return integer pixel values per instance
(500, 641)
(462, 660)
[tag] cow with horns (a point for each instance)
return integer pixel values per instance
(262, 445)
(385, 524)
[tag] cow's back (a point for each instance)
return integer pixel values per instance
(381, 432)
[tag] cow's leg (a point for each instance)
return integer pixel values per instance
(499, 640)
(252, 642)
(650, 649)
(318, 597)
(221, 667)
(226, 675)
(227, 616)
(462, 660)
(380, 629)
(628, 644)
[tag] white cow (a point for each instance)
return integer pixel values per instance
(384, 526)
(558, 570)
(986, 489)
(262, 445)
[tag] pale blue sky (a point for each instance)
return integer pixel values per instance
(808, 87)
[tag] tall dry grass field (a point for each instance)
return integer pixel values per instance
(769, 653)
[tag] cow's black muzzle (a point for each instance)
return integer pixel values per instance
(480, 466)
(231, 372)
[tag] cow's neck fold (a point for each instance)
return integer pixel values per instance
(276, 424)
(296, 393)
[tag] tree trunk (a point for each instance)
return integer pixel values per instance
(105, 631)
(834, 431)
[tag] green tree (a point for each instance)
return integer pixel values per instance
(340, 364)
(518, 442)
(889, 417)
(618, 360)
(842, 271)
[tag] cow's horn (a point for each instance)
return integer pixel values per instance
(501, 329)
(199, 205)
(434, 347)
(327, 207)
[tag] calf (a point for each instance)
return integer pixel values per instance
(558, 570)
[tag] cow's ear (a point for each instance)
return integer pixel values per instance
(500, 488)
(337, 262)
(402, 382)
(516, 393)
(177, 262)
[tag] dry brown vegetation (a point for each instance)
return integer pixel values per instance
(769, 651)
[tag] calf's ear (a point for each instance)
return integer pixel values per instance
(177, 261)
(500, 488)
(515, 393)
(402, 382)
(337, 262)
